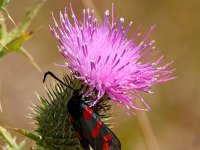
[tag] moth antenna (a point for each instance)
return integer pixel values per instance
(53, 76)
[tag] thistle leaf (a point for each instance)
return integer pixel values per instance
(28, 134)
(3, 4)
(15, 44)
(10, 141)
(23, 51)
(12, 41)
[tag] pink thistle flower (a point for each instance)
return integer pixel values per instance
(106, 59)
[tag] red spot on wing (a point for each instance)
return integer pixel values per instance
(107, 137)
(96, 130)
(87, 113)
(105, 146)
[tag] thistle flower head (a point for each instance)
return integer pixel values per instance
(106, 59)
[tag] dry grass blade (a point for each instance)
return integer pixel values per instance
(147, 131)
(1, 110)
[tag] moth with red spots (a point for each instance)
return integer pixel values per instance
(90, 130)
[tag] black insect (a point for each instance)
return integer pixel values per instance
(90, 130)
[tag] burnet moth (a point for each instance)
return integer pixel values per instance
(90, 130)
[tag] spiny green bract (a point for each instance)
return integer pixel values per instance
(53, 125)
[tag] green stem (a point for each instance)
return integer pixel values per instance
(3, 30)
(30, 14)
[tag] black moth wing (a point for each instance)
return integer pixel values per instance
(96, 132)
(79, 133)
(74, 110)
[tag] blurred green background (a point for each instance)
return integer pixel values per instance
(175, 114)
